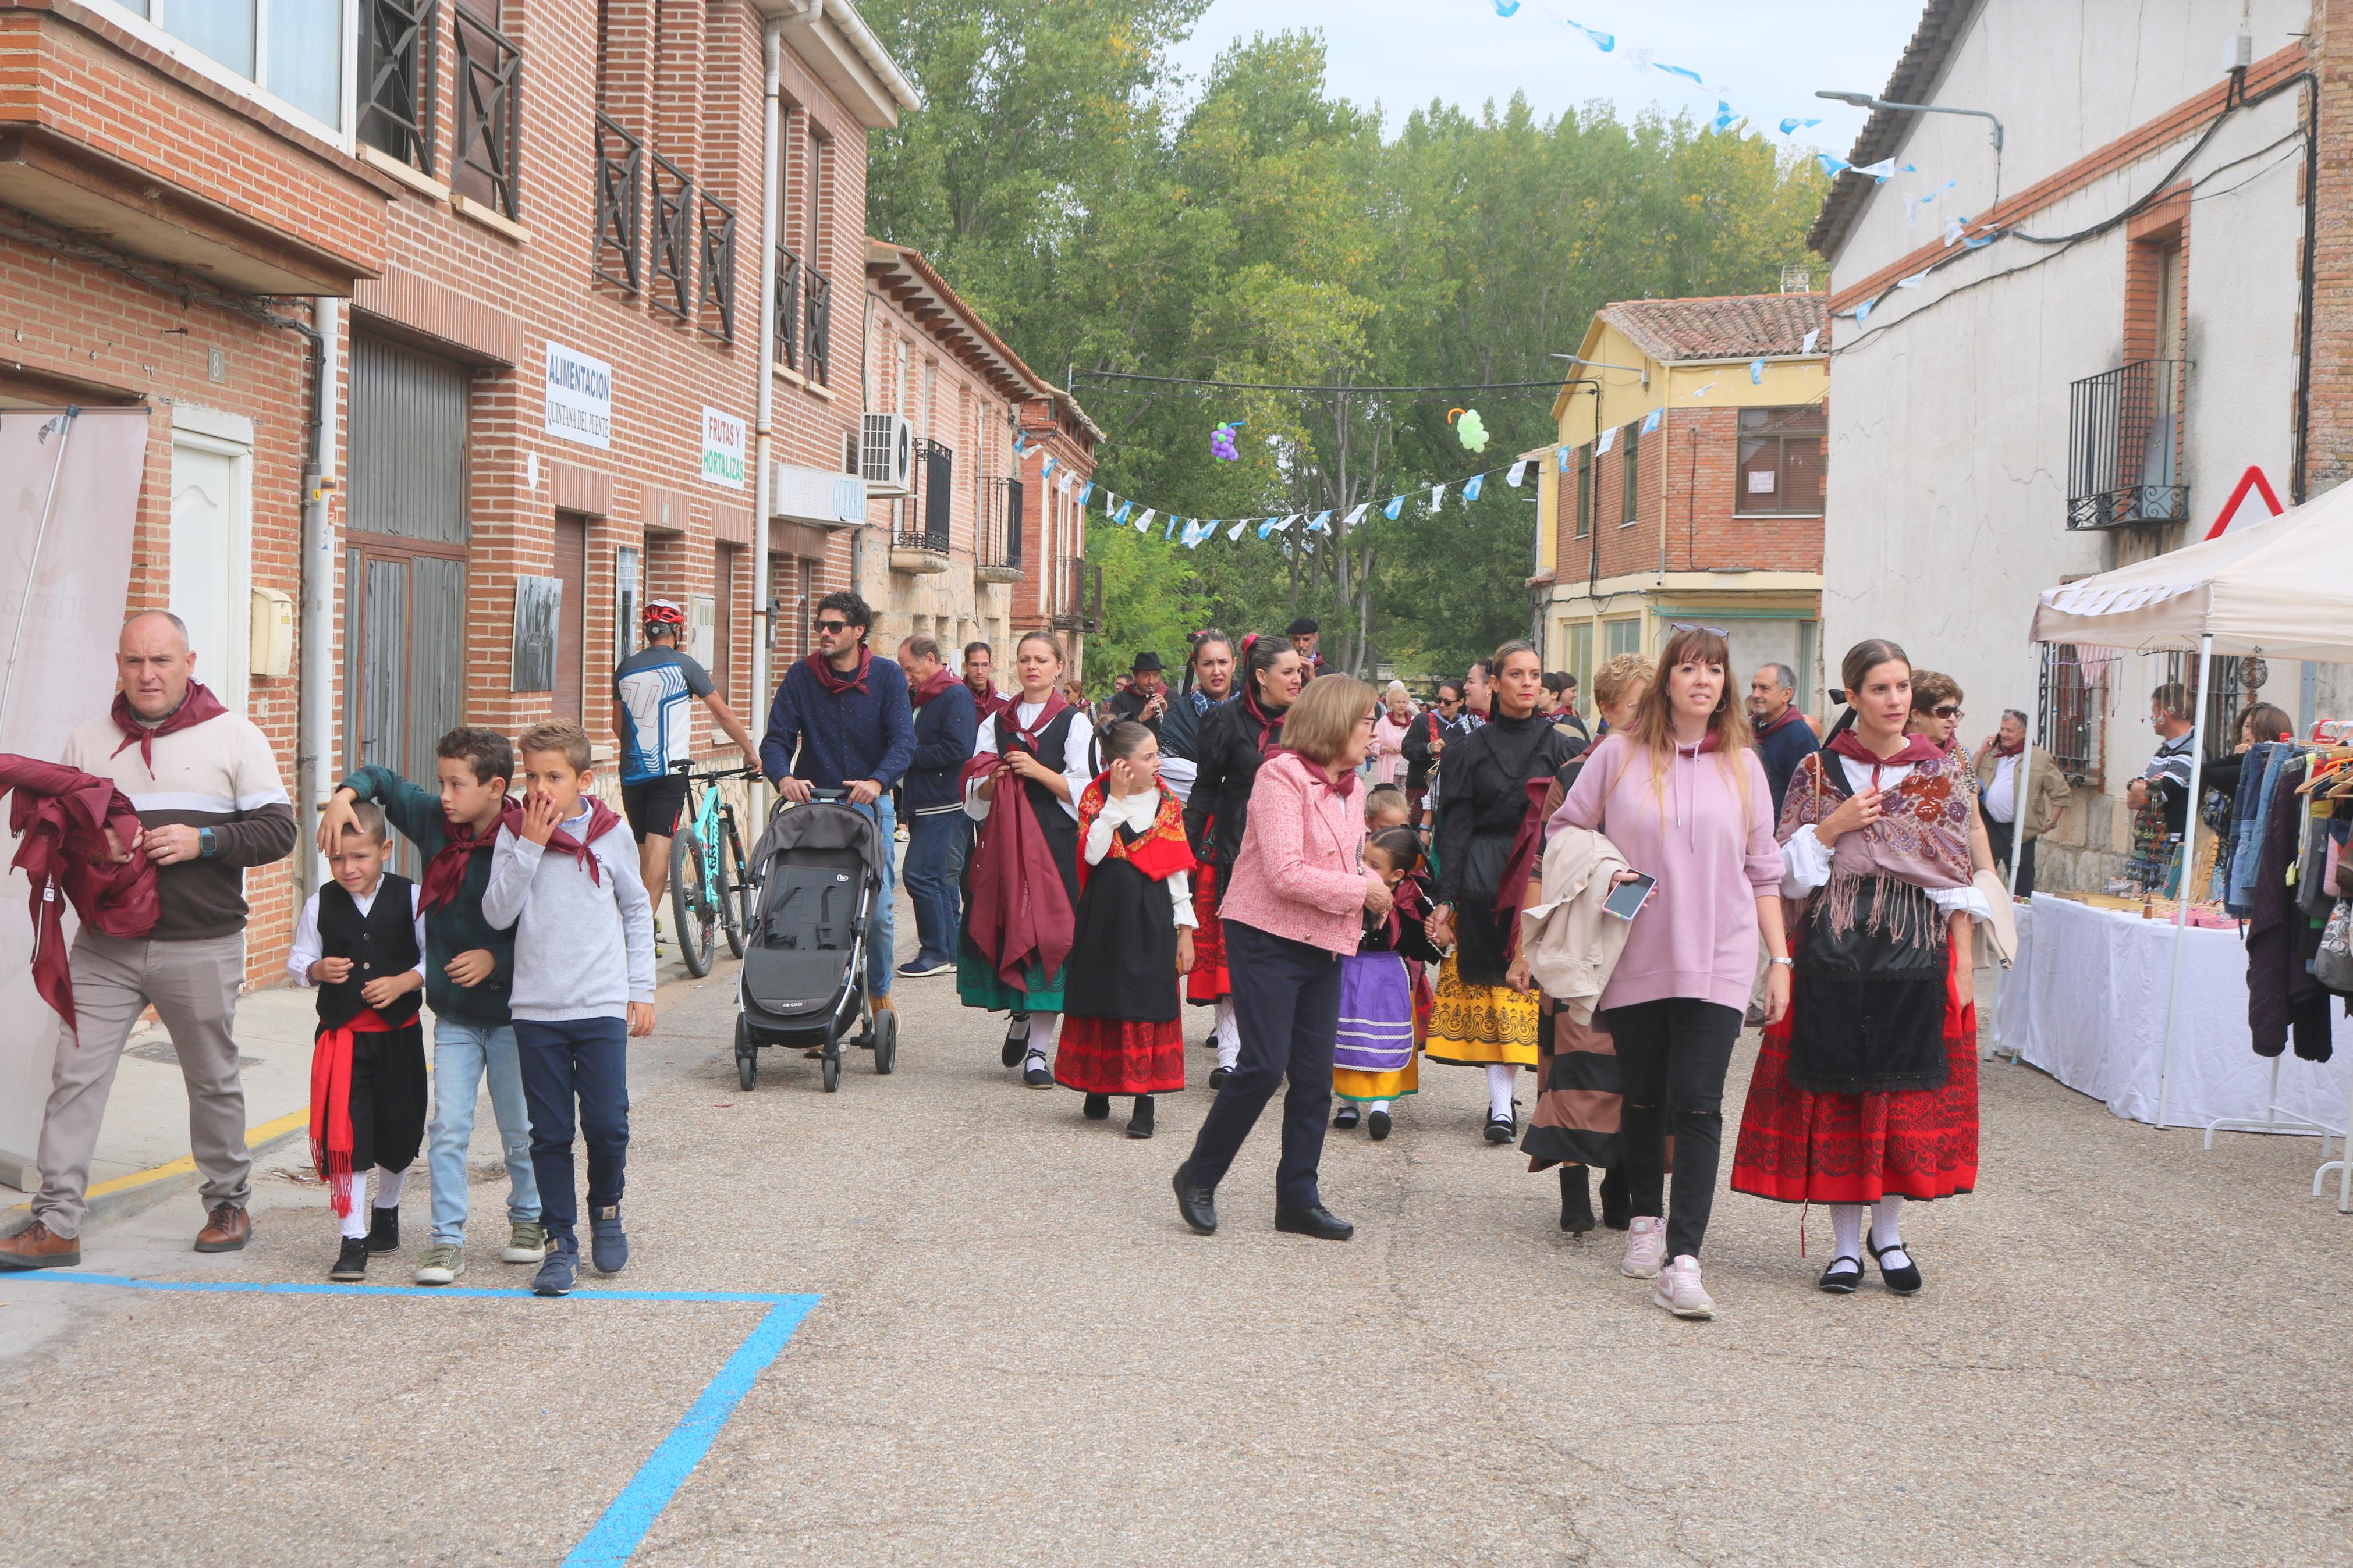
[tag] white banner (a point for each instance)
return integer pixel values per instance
(722, 448)
(579, 397)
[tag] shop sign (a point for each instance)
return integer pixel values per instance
(722, 448)
(579, 397)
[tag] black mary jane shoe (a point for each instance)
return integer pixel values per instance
(1576, 1199)
(1616, 1203)
(1346, 1118)
(1097, 1108)
(1318, 1222)
(1196, 1205)
(1376, 1125)
(1843, 1276)
(1217, 1077)
(1903, 1281)
(1500, 1129)
(1017, 1044)
(1139, 1124)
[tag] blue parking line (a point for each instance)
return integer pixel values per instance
(614, 1537)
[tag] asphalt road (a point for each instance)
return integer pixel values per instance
(2127, 1352)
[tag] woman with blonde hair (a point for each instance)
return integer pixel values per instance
(1683, 798)
(1389, 731)
(1294, 907)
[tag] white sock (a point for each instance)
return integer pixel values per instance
(352, 1190)
(1229, 1035)
(1379, 1108)
(1500, 1077)
(1887, 1230)
(1041, 1030)
(1846, 1231)
(387, 1187)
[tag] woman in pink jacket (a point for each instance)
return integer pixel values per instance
(1292, 907)
(1683, 798)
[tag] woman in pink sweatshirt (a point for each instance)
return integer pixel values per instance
(1683, 798)
(1292, 907)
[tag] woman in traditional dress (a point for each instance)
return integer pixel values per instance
(1491, 792)
(1234, 738)
(1134, 937)
(1375, 1062)
(1866, 1094)
(1208, 683)
(1024, 873)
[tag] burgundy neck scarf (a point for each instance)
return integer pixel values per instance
(942, 678)
(601, 820)
(833, 680)
(445, 874)
(194, 707)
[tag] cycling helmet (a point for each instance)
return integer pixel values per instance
(662, 613)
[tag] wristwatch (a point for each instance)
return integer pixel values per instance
(1783, 962)
(204, 843)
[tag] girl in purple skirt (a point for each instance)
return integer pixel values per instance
(1374, 1057)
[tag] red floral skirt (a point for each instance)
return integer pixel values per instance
(1208, 983)
(1118, 1056)
(1801, 1147)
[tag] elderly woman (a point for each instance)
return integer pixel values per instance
(1388, 733)
(1294, 907)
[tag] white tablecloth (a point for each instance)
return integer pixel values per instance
(2085, 1002)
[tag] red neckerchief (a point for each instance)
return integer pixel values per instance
(2001, 750)
(445, 874)
(1270, 726)
(331, 1105)
(601, 820)
(194, 707)
(942, 678)
(833, 680)
(1160, 851)
(1917, 749)
(1047, 714)
(1343, 786)
(1789, 716)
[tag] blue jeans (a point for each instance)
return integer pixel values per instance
(881, 934)
(935, 858)
(462, 1054)
(582, 1060)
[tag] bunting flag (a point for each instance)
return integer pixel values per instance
(1357, 516)
(1470, 487)
(1563, 460)
(1045, 469)
(1601, 40)
(1806, 345)
(1609, 439)
(1692, 76)
(1792, 125)
(1519, 471)
(1063, 484)
(1085, 491)
(1436, 494)
(1862, 312)
(1833, 166)
(1506, 7)
(1651, 421)
(1020, 446)
(1171, 528)
(1724, 118)
(1396, 504)
(1702, 389)
(1914, 281)
(1144, 523)
(1236, 532)
(1756, 373)
(1322, 523)
(1121, 515)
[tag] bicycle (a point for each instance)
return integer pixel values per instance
(711, 884)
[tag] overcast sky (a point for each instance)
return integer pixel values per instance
(1771, 53)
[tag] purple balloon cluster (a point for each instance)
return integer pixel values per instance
(1221, 443)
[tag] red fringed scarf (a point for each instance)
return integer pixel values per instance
(1159, 852)
(331, 1105)
(833, 680)
(1020, 909)
(601, 820)
(61, 816)
(445, 874)
(198, 706)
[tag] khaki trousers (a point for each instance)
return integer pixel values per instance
(192, 987)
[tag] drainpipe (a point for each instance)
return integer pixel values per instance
(316, 723)
(762, 483)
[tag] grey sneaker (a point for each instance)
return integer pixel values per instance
(441, 1264)
(525, 1244)
(1646, 1248)
(609, 1244)
(561, 1272)
(1680, 1292)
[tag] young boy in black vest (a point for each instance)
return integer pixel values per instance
(361, 942)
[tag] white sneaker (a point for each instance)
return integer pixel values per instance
(1646, 1248)
(1679, 1289)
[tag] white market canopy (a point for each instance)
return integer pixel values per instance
(2282, 588)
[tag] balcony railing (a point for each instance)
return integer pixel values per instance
(2124, 446)
(620, 206)
(1078, 594)
(817, 334)
(919, 532)
(788, 308)
(400, 54)
(997, 531)
(490, 89)
(673, 256)
(715, 267)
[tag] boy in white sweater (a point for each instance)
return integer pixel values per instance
(565, 874)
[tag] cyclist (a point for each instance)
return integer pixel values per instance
(650, 688)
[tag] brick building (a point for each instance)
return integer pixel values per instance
(1688, 484)
(525, 243)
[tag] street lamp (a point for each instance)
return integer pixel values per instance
(1642, 369)
(1865, 101)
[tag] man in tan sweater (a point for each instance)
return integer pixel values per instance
(210, 804)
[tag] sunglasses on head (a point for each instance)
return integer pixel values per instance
(1688, 626)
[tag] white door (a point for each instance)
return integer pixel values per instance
(211, 566)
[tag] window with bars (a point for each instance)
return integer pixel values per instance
(487, 82)
(400, 54)
(715, 267)
(1781, 466)
(620, 165)
(2072, 720)
(2225, 695)
(673, 238)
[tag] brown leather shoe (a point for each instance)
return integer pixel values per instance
(227, 1229)
(38, 1247)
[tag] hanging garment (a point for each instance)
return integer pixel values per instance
(62, 816)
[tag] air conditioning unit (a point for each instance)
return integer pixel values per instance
(886, 453)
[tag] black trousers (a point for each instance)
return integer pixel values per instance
(1998, 835)
(1287, 1007)
(1672, 1058)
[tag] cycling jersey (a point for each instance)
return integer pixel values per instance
(653, 686)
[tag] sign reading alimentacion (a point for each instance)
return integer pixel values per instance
(579, 397)
(722, 448)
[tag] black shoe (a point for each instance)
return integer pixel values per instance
(383, 1231)
(1097, 1108)
(1576, 1199)
(1843, 1276)
(1139, 1124)
(1217, 1077)
(1196, 1206)
(1017, 1043)
(1346, 1118)
(1037, 1075)
(1318, 1222)
(1500, 1128)
(1616, 1205)
(1376, 1125)
(351, 1262)
(1904, 1281)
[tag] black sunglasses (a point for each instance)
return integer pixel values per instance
(833, 626)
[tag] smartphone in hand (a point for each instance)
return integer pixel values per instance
(1627, 899)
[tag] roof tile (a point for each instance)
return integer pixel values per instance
(1731, 326)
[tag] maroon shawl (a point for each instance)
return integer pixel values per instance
(1526, 857)
(61, 816)
(445, 874)
(1019, 908)
(196, 706)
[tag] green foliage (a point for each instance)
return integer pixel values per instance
(1253, 227)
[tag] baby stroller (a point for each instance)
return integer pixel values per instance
(819, 868)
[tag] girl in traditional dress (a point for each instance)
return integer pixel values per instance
(1023, 872)
(1374, 1062)
(1233, 740)
(1865, 1094)
(1491, 792)
(1208, 685)
(1134, 940)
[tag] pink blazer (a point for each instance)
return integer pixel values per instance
(1298, 873)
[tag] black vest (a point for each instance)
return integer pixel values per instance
(379, 944)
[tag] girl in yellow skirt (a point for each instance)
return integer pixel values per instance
(1372, 1057)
